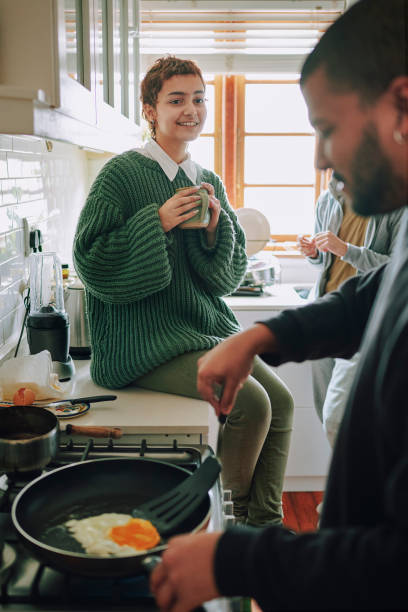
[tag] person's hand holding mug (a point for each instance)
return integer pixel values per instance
(215, 209)
(179, 208)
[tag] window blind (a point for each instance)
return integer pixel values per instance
(239, 37)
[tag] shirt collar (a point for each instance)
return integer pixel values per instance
(152, 150)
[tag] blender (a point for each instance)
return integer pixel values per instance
(48, 323)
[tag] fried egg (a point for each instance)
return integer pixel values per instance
(113, 534)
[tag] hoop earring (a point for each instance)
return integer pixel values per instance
(398, 137)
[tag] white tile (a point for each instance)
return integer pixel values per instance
(12, 323)
(6, 142)
(22, 165)
(28, 144)
(7, 218)
(10, 299)
(12, 270)
(29, 189)
(35, 211)
(8, 190)
(3, 165)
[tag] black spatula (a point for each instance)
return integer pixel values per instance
(169, 511)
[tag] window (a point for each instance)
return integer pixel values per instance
(267, 150)
(257, 137)
(276, 172)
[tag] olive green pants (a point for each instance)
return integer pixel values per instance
(256, 436)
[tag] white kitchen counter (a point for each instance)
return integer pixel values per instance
(140, 410)
(275, 297)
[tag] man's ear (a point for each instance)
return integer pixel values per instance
(399, 91)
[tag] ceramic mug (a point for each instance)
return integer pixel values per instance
(202, 218)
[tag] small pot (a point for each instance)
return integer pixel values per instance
(28, 438)
(266, 271)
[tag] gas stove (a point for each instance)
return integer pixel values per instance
(27, 584)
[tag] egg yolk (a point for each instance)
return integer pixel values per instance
(137, 533)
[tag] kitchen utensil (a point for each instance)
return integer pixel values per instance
(28, 438)
(218, 391)
(76, 307)
(48, 323)
(91, 488)
(70, 408)
(249, 291)
(168, 512)
(79, 400)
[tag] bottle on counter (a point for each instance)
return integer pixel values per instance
(65, 271)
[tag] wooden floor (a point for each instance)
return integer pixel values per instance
(300, 514)
(299, 510)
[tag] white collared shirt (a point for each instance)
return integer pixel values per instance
(152, 150)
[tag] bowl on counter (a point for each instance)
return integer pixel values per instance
(263, 270)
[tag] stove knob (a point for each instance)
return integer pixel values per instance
(229, 520)
(227, 495)
(228, 507)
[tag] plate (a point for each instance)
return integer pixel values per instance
(256, 227)
(62, 411)
(68, 411)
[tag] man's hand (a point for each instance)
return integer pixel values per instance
(306, 246)
(329, 242)
(185, 577)
(229, 364)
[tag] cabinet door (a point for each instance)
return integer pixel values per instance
(76, 73)
(117, 73)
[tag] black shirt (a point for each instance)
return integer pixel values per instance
(359, 557)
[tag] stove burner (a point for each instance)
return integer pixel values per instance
(26, 584)
(8, 558)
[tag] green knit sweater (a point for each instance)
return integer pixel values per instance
(152, 296)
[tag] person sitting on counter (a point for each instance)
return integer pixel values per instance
(355, 83)
(154, 287)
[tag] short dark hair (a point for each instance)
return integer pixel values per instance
(364, 49)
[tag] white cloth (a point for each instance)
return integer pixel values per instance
(332, 380)
(152, 150)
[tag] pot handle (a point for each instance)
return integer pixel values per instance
(95, 432)
(150, 562)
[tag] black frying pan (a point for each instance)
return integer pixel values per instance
(90, 488)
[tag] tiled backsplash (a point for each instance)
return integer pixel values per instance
(45, 182)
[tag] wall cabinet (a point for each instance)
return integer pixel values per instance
(310, 452)
(69, 71)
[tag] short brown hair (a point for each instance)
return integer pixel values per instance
(163, 69)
